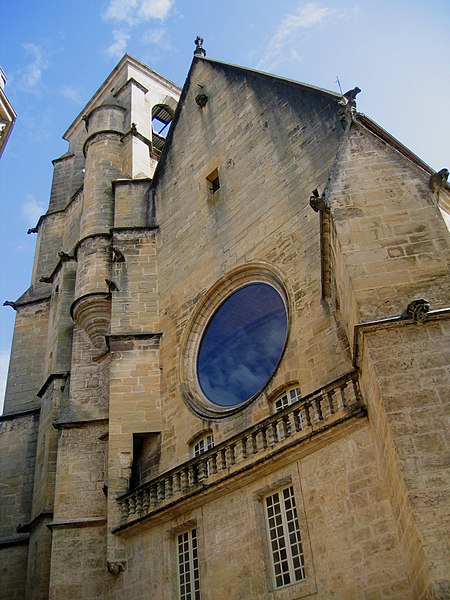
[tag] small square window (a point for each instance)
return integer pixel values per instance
(213, 182)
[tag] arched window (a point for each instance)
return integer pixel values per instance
(288, 397)
(162, 117)
(203, 444)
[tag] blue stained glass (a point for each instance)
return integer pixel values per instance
(242, 344)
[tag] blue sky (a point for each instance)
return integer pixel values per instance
(56, 54)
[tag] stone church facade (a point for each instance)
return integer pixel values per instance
(229, 376)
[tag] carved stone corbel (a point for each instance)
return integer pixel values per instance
(115, 567)
(417, 310)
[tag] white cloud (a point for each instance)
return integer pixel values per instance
(70, 92)
(118, 47)
(155, 9)
(120, 10)
(32, 73)
(4, 362)
(135, 11)
(157, 37)
(280, 48)
(31, 209)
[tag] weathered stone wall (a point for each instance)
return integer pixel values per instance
(78, 563)
(347, 526)
(81, 473)
(273, 143)
(408, 405)
(18, 438)
(13, 571)
(26, 368)
(371, 494)
(392, 237)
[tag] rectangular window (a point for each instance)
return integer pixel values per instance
(284, 538)
(213, 181)
(188, 572)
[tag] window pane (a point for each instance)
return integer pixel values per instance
(188, 571)
(284, 535)
(242, 345)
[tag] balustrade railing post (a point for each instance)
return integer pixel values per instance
(261, 442)
(202, 471)
(124, 508)
(132, 505)
(239, 450)
(191, 476)
(273, 434)
(213, 464)
(183, 480)
(160, 491)
(138, 497)
(356, 390)
(330, 396)
(298, 420)
(145, 500)
(221, 460)
(342, 393)
(168, 487)
(153, 495)
(317, 403)
(307, 414)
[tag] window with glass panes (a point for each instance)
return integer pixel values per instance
(287, 398)
(204, 444)
(284, 538)
(188, 571)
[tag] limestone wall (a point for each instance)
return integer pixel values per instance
(272, 143)
(346, 522)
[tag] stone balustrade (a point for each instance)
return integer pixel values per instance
(337, 401)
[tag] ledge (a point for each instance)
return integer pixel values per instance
(337, 404)
(44, 514)
(77, 523)
(89, 237)
(138, 180)
(100, 132)
(78, 424)
(389, 322)
(131, 81)
(50, 378)
(20, 540)
(19, 414)
(134, 228)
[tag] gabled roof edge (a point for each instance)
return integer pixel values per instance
(160, 165)
(127, 58)
(376, 129)
(277, 77)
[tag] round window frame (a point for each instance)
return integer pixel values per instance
(193, 334)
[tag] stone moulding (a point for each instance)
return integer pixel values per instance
(327, 407)
(254, 272)
(403, 320)
(93, 313)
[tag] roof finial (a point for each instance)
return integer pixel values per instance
(199, 50)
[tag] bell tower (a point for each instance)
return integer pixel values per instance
(74, 323)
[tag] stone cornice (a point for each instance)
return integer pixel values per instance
(20, 414)
(79, 424)
(46, 513)
(62, 375)
(76, 523)
(388, 323)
